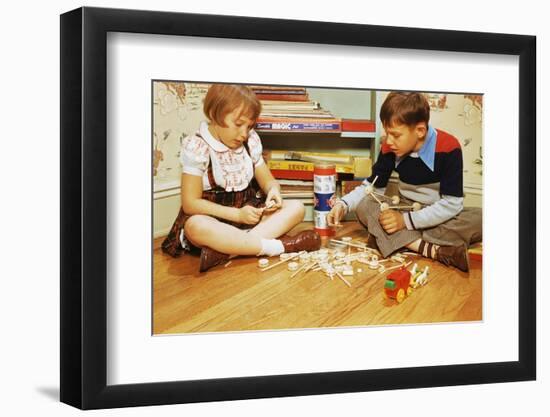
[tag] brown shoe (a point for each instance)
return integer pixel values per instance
(456, 256)
(307, 240)
(210, 258)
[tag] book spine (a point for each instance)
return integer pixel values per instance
(304, 166)
(283, 97)
(285, 155)
(313, 126)
(291, 174)
(284, 92)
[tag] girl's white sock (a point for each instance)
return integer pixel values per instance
(271, 247)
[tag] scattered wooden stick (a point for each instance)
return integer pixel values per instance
(355, 245)
(282, 262)
(299, 270)
(227, 264)
(339, 275)
(380, 195)
(404, 265)
(310, 266)
(376, 198)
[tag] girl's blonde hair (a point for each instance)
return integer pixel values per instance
(222, 99)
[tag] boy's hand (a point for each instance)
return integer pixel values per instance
(250, 215)
(274, 201)
(391, 220)
(335, 214)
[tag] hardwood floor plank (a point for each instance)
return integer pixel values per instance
(240, 297)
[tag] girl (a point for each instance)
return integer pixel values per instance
(230, 202)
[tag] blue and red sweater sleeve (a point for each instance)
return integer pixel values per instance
(449, 157)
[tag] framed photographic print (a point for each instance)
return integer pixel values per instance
(258, 207)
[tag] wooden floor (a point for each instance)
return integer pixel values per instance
(239, 297)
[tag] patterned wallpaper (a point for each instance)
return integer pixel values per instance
(177, 112)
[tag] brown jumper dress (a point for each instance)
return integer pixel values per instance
(250, 196)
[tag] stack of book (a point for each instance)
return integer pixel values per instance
(280, 93)
(294, 165)
(297, 189)
(289, 109)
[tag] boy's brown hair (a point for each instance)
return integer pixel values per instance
(222, 99)
(405, 108)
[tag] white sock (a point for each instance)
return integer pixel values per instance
(271, 247)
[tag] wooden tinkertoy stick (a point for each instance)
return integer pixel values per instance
(282, 262)
(339, 275)
(404, 265)
(380, 195)
(305, 266)
(310, 266)
(401, 207)
(376, 198)
(355, 245)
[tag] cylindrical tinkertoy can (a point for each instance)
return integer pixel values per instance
(324, 189)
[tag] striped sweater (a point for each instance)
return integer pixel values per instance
(432, 176)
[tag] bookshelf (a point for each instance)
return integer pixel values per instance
(342, 104)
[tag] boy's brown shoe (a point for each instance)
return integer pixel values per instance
(307, 240)
(210, 258)
(456, 256)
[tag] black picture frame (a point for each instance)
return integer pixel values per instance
(84, 207)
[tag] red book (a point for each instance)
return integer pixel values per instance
(289, 174)
(358, 125)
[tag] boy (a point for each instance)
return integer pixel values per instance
(429, 164)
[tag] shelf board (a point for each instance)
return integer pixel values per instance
(286, 132)
(366, 135)
(369, 135)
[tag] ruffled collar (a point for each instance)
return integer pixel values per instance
(214, 143)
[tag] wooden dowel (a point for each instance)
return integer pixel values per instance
(282, 262)
(355, 245)
(339, 275)
(376, 198)
(300, 269)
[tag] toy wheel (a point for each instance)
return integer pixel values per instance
(409, 291)
(395, 200)
(416, 206)
(400, 296)
(384, 206)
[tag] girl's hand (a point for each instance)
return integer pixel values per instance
(250, 215)
(274, 201)
(336, 214)
(391, 220)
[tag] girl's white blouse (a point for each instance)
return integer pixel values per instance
(233, 169)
